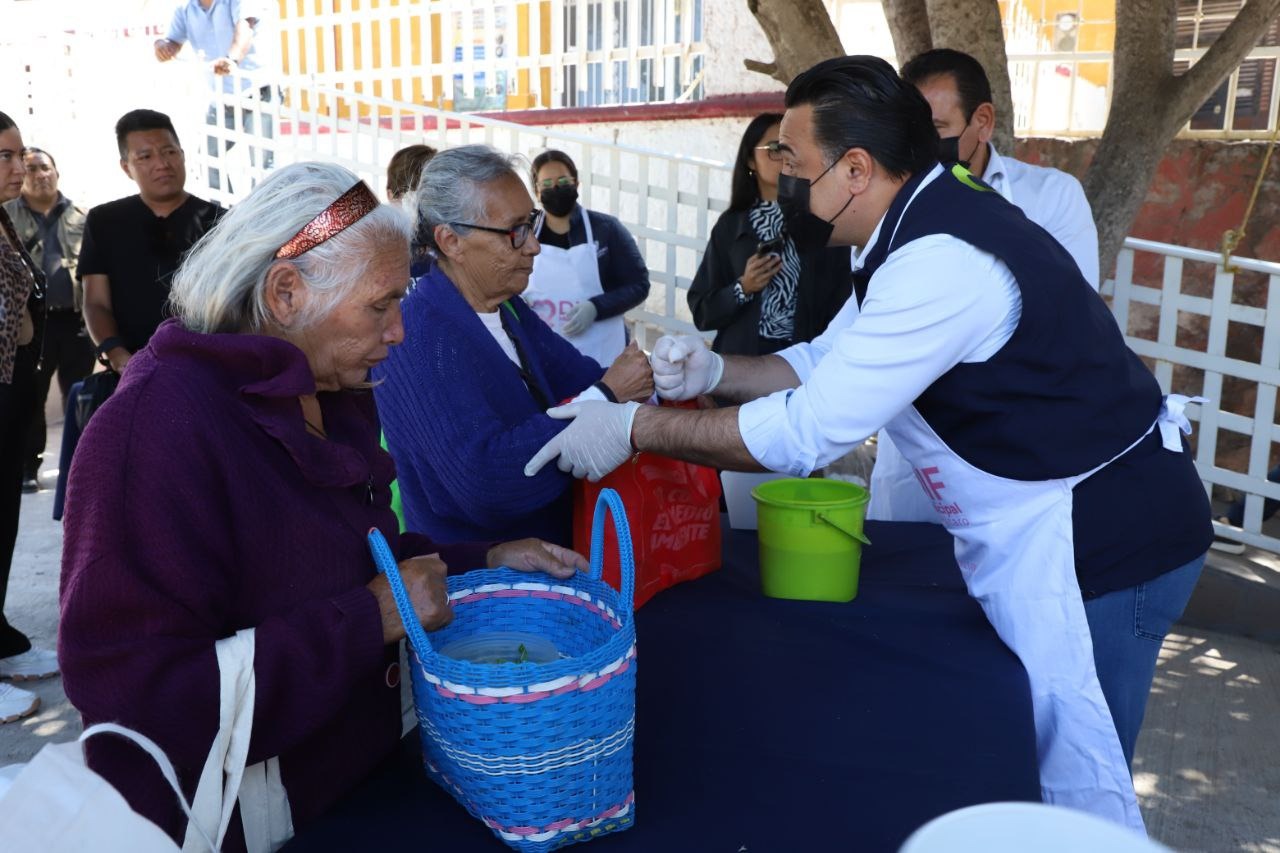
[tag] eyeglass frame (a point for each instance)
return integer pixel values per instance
(562, 181)
(775, 150)
(534, 222)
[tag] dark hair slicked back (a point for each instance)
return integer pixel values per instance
(136, 120)
(861, 102)
(968, 74)
(6, 123)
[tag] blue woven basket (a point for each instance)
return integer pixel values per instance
(541, 752)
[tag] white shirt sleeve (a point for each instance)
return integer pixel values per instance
(935, 303)
(1072, 225)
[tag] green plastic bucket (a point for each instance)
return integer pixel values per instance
(810, 538)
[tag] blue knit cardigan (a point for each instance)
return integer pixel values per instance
(461, 424)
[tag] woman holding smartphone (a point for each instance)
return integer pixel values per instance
(754, 288)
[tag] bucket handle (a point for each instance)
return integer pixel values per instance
(610, 502)
(847, 531)
(387, 565)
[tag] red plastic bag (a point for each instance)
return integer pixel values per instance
(673, 509)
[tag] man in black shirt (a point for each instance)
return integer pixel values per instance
(133, 246)
(51, 228)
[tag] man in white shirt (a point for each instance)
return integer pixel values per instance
(1050, 453)
(959, 95)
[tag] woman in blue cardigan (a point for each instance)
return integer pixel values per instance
(463, 399)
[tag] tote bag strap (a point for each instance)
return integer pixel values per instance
(265, 803)
(151, 748)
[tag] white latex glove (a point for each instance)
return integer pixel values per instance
(684, 367)
(581, 316)
(598, 440)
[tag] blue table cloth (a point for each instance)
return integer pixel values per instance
(767, 725)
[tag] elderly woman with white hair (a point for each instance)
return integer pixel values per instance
(464, 402)
(229, 484)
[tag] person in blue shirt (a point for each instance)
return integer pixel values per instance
(589, 272)
(230, 39)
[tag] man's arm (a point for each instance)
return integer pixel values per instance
(749, 377)
(100, 320)
(167, 48)
(705, 437)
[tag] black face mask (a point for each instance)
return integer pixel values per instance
(806, 230)
(949, 151)
(559, 201)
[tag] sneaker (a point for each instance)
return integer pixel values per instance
(1222, 543)
(30, 485)
(30, 665)
(16, 703)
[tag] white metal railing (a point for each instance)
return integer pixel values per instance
(1163, 298)
(495, 54)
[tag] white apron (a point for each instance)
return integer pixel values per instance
(1015, 548)
(896, 494)
(562, 278)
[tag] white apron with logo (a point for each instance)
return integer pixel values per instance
(1015, 548)
(561, 279)
(896, 495)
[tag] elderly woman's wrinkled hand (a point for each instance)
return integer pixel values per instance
(535, 555)
(424, 580)
(630, 377)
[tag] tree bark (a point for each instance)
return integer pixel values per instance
(800, 33)
(974, 26)
(909, 26)
(1149, 105)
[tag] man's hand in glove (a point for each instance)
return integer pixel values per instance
(597, 442)
(683, 367)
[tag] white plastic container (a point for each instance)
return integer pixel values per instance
(737, 496)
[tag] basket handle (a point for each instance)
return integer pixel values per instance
(387, 565)
(609, 501)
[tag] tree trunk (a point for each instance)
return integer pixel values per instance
(800, 33)
(975, 27)
(1149, 105)
(909, 26)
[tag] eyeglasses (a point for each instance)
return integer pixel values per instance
(565, 181)
(518, 235)
(774, 148)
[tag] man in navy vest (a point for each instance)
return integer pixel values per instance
(1044, 444)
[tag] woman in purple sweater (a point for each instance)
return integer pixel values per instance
(229, 484)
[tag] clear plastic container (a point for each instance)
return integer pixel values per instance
(503, 647)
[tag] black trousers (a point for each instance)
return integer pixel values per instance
(16, 401)
(68, 352)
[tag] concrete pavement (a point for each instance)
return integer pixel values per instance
(1207, 767)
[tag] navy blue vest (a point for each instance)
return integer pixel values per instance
(1064, 394)
(1061, 397)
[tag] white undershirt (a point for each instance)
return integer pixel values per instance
(493, 322)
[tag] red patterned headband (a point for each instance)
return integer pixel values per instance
(350, 207)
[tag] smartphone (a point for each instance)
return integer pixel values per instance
(769, 247)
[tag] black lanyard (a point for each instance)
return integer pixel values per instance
(525, 368)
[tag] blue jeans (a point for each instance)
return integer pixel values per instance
(1128, 627)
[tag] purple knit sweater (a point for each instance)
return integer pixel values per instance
(199, 505)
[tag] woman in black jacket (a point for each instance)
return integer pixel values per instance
(753, 287)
